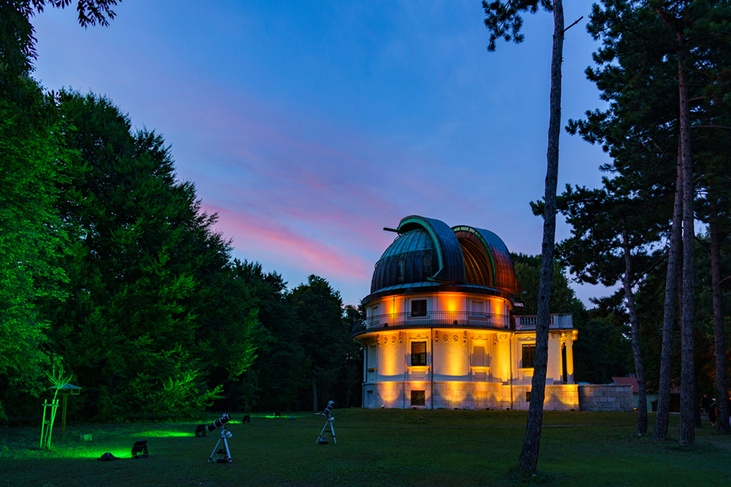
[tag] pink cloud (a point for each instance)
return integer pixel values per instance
(263, 236)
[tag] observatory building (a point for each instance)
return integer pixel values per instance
(438, 331)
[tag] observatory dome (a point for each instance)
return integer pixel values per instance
(428, 255)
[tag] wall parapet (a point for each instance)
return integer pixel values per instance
(605, 397)
(558, 321)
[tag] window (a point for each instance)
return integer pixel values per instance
(478, 356)
(418, 307)
(418, 353)
(478, 308)
(418, 398)
(527, 396)
(529, 355)
(374, 317)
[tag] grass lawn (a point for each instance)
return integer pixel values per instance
(375, 448)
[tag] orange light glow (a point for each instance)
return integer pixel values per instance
(451, 303)
(391, 356)
(455, 355)
(390, 392)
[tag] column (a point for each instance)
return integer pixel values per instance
(570, 359)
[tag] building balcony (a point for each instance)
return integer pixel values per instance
(446, 319)
(442, 319)
(558, 321)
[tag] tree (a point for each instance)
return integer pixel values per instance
(324, 334)
(33, 238)
(279, 372)
(152, 298)
(34, 159)
(504, 21)
(613, 230)
(670, 16)
(655, 64)
(17, 35)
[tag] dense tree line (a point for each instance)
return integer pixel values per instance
(124, 280)
(664, 70)
(111, 269)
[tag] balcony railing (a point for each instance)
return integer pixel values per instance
(439, 318)
(529, 322)
(460, 319)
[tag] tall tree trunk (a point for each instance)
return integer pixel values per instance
(687, 374)
(528, 460)
(660, 432)
(722, 411)
(639, 370)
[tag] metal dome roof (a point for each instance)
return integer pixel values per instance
(427, 254)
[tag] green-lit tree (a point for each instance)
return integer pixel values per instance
(34, 161)
(33, 237)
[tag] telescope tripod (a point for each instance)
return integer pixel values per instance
(225, 434)
(329, 421)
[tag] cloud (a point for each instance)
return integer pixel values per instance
(269, 238)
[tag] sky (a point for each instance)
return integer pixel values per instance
(308, 126)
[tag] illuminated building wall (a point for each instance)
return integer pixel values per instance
(438, 333)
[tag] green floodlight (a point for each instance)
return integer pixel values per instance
(139, 450)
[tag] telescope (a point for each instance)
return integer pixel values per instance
(225, 418)
(326, 413)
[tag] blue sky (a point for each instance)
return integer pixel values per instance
(309, 126)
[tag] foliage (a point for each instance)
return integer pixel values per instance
(17, 35)
(503, 19)
(527, 271)
(305, 347)
(663, 69)
(324, 336)
(147, 308)
(277, 374)
(33, 237)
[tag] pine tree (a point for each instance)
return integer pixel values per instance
(504, 21)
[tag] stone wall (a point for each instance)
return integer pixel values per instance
(564, 397)
(605, 397)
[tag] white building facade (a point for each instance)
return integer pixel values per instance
(438, 331)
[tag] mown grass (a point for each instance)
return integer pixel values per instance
(375, 448)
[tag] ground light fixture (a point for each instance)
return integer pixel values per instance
(139, 450)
